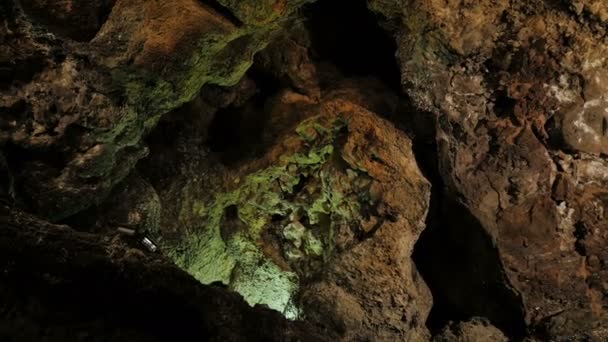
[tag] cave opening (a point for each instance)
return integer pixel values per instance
(235, 133)
(461, 266)
(454, 256)
(356, 43)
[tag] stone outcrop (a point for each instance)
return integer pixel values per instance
(61, 285)
(475, 330)
(517, 95)
(265, 153)
(302, 227)
(143, 60)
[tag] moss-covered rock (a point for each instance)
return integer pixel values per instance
(262, 12)
(518, 98)
(92, 102)
(298, 186)
(323, 205)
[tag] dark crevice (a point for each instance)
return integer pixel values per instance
(303, 180)
(230, 222)
(234, 136)
(223, 131)
(580, 233)
(355, 43)
(504, 105)
(223, 11)
(25, 165)
(555, 139)
(20, 68)
(77, 20)
(6, 180)
(363, 235)
(460, 264)
(20, 157)
(236, 132)
(7, 9)
(455, 256)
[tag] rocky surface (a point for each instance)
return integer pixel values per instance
(475, 330)
(61, 285)
(302, 227)
(518, 101)
(145, 59)
(429, 174)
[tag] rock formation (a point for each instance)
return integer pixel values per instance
(375, 170)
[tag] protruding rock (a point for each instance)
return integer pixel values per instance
(320, 214)
(515, 90)
(79, 111)
(476, 330)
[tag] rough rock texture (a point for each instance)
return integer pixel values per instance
(61, 285)
(472, 331)
(304, 226)
(79, 20)
(518, 95)
(74, 114)
(264, 147)
(133, 204)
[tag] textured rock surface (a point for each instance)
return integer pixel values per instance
(75, 114)
(263, 146)
(302, 227)
(79, 20)
(517, 93)
(472, 331)
(55, 287)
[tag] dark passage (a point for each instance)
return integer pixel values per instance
(462, 268)
(353, 40)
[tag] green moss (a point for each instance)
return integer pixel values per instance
(205, 256)
(220, 58)
(326, 197)
(198, 207)
(258, 279)
(314, 130)
(262, 12)
(313, 157)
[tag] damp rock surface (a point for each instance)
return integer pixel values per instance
(475, 330)
(302, 228)
(512, 102)
(381, 170)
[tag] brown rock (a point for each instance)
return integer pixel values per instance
(79, 20)
(504, 90)
(363, 284)
(79, 111)
(476, 330)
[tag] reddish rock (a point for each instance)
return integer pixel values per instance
(78, 20)
(515, 91)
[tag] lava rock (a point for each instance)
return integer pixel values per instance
(517, 93)
(475, 330)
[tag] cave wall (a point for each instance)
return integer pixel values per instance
(382, 169)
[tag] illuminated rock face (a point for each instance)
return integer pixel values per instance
(139, 60)
(265, 152)
(519, 98)
(336, 198)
